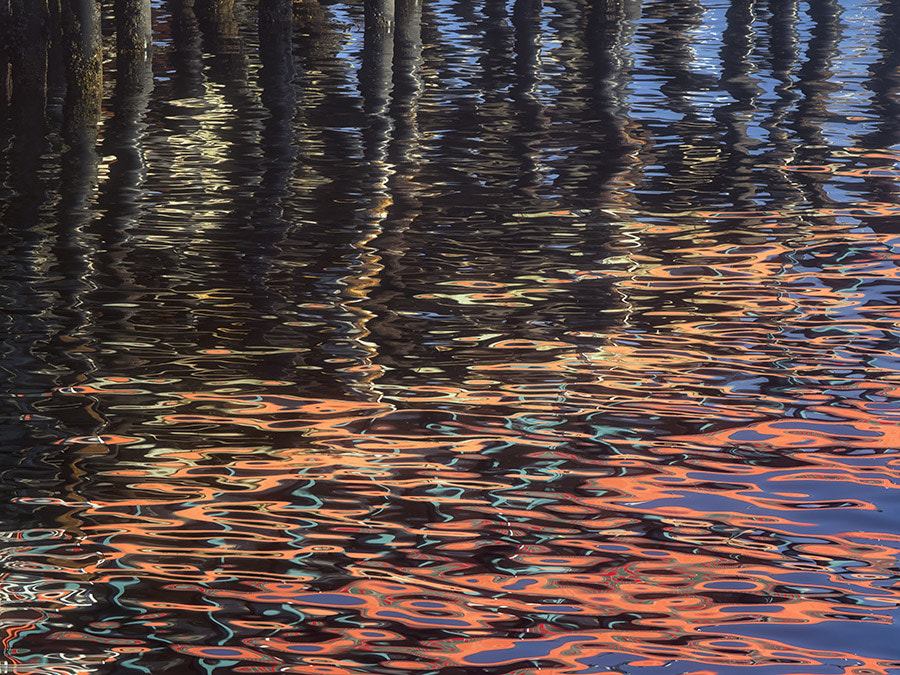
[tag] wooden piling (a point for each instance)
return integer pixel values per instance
(134, 75)
(27, 44)
(134, 83)
(84, 59)
(277, 79)
(5, 19)
(133, 28)
(215, 12)
(379, 16)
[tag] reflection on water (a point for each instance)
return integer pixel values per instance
(535, 337)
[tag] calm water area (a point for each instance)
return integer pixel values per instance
(534, 337)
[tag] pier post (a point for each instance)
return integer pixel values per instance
(5, 19)
(133, 37)
(82, 52)
(134, 76)
(27, 42)
(131, 98)
(278, 94)
(215, 12)
(378, 54)
(84, 59)
(379, 16)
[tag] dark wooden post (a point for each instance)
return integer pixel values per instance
(5, 20)
(27, 91)
(81, 110)
(84, 61)
(378, 53)
(187, 54)
(275, 33)
(28, 26)
(275, 14)
(133, 37)
(407, 78)
(134, 75)
(56, 62)
(220, 29)
(278, 93)
(407, 40)
(216, 12)
(379, 16)
(134, 82)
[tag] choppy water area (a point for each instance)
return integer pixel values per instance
(542, 338)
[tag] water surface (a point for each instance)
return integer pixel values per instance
(553, 338)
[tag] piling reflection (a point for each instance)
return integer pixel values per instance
(492, 338)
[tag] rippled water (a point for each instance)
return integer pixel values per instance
(551, 338)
